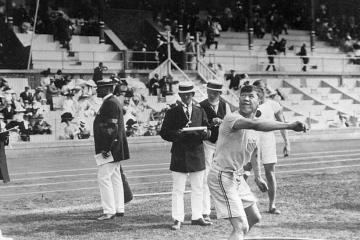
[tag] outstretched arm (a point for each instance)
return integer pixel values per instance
(266, 126)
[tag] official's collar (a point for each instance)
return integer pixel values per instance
(186, 106)
(107, 96)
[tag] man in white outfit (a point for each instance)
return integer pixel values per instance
(110, 141)
(270, 110)
(215, 109)
(187, 154)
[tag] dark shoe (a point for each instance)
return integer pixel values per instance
(207, 218)
(119, 214)
(200, 222)
(106, 217)
(176, 226)
(274, 211)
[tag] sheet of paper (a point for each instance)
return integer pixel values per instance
(100, 160)
(194, 129)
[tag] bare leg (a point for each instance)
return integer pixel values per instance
(240, 228)
(253, 215)
(271, 181)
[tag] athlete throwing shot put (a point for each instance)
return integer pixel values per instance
(238, 144)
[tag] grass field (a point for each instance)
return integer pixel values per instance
(322, 206)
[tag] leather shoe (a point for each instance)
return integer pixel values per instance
(119, 214)
(176, 226)
(200, 222)
(106, 217)
(207, 218)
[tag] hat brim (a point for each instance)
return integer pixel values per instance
(214, 89)
(187, 91)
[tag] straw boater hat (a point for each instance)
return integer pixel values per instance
(214, 85)
(105, 83)
(186, 87)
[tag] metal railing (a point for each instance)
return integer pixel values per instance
(207, 74)
(142, 60)
(320, 64)
(78, 59)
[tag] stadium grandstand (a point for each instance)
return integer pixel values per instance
(54, 54)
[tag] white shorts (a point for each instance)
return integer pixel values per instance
(267, 148)
(231, 194)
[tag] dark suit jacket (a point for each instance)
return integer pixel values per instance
(187, 151)
(26, 96)
(4, 174)
(109, 132)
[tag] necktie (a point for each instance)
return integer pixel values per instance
(187, 112)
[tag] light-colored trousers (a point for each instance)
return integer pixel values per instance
(111, 188)
(178, 189)
(209, 149)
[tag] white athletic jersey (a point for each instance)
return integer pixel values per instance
(268, 109)
(234, 147)
(267, 146)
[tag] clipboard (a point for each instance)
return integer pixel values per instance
(100, 160)
(189, 129)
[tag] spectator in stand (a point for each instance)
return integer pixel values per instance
(41, 126)
(234, 80)
(98, 72)
(70, 128)
(271, 52)
(154, 84)
(63, 25)
(51, 91)
(210, 37)
(303, 56)
(69, 104)
(216, 27)
(202, 48)
(8, 111)
(226, 19)
(281, 46)
(83, 132)
(39, 94)
(239, 18)
(26, 95)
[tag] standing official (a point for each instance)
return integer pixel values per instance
(110, 138)
(4, 138)
(187, 154)
(215, 109)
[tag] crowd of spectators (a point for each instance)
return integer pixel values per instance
(55, 21)
(339, 31)
(25, 112)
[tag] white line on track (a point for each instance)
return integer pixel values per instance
(78, 181)
(158, 169)
(162, 193)
(291, 158)
(84, 174)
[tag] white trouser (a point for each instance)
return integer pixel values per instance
(209, 149)
(178, 189)
(111, 188)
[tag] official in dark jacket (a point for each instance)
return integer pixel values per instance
(215, 109)
(4, 138)
(187, 154)
(110, 140)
